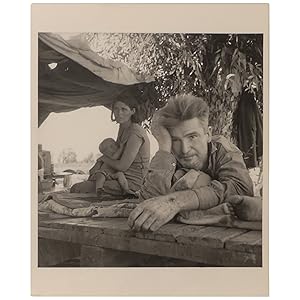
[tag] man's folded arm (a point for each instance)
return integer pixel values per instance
(159, 178)
(232, 178)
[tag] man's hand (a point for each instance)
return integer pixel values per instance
(153, 213)
(160, 133)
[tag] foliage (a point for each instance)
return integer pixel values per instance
(214, 66)
(89, 158)
(67, 156)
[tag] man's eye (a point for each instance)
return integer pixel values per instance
(192, 137)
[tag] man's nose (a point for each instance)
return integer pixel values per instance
(185, 147)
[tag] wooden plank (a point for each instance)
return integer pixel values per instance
(181, 233)
(197, 253)
(62, 222)
(47, 216)
(112, 226)
(53, 252)
(91, 231)
(210, 236)
(248, 242)
(172, 231)
(166, 233)
(199, 236)
(119, 226)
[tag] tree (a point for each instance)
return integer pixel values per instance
(89, 158)
(217, 67)
(67, 156)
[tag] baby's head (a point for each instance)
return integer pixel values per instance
(108, 146)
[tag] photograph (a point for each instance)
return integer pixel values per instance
(149, 149)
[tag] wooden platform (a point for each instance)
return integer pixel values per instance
(109, 242)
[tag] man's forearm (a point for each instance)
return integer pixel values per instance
(185, 200)
(201, 198)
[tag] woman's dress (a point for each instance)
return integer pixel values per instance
(134, 174)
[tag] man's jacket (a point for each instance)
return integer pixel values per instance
(226, 167)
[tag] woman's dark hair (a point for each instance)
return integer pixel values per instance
(132, 104)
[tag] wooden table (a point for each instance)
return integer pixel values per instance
(109, 242)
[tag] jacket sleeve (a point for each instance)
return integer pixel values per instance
(158, 180)
(231, 178)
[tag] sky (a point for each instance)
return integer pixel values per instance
(81, 130)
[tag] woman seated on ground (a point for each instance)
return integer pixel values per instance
(133, 161)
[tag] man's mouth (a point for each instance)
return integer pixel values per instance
(190, 157)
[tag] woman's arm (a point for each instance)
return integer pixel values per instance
(130, 152)
(117, 154)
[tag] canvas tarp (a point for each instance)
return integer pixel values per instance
(82, 78)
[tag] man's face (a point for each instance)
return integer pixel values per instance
(190, 144)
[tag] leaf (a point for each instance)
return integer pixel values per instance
(192, 72)
(226, 84)
(229, 76)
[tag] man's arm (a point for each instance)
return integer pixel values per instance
(158, 180)
(153, 213)
(232, 178)
(162, 167)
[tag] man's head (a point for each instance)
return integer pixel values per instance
(108, 146)
(186, 118)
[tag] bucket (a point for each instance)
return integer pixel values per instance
(67, 180)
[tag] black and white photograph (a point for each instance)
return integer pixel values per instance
(151, 150)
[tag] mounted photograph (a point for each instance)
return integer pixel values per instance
(150, 149)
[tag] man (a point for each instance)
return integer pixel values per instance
(185, 143)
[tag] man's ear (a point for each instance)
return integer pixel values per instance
(133, 110)
(209, 133)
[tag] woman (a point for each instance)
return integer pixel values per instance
(134, 160)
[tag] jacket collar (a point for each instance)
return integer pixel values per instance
(211, 149)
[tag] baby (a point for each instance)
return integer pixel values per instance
(109, 148)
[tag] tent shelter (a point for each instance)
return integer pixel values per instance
(72, 76)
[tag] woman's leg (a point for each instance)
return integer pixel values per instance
(84, 187)
(120, 177)
(112, 187)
